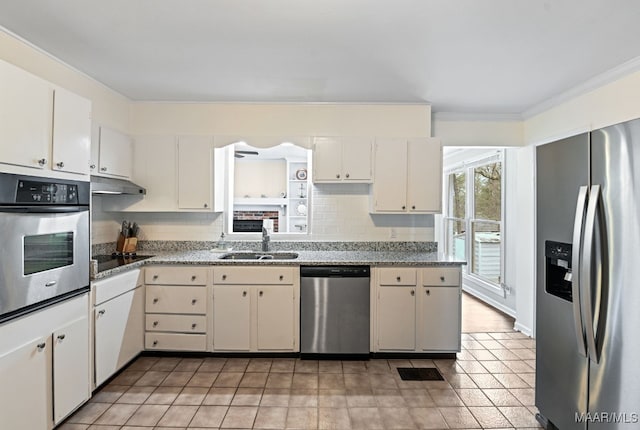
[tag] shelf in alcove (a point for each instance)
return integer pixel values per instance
(259, 201)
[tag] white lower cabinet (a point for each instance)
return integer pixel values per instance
(176, 307)
(250, 316)
(47, 377)
(118, 323)
(418, 309)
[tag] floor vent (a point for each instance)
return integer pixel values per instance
(419, 374)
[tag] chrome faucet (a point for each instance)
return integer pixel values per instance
(265, 240)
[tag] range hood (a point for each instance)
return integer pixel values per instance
(102, 185)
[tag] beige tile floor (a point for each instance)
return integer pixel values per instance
(490, 385)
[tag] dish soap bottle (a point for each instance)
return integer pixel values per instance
(222, 243)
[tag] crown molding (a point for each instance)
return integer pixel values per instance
(484, 117)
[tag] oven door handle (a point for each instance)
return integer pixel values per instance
(42, 209)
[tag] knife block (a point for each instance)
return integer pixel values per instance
(126, 245)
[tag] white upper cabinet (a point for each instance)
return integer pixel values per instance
(115, 153)
(38, 130)
(342, 159)
(195, 172)
(71, 132)
(408, 176)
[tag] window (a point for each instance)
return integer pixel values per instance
(270, 187)
(473, 219)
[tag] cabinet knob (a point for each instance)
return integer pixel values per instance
(224, 277)
(398, 278)
(101, 312)
(347, 175)
(413, 293)
(281, 277)
(206, 205)
(92, 167)
(244, 293)
(193, 325)
(194, 301)
(155, 277)
(41, 346)
(404, 207)
(428, 292)
(103, 169)
(413, 207)
(193, 278)
(155, 300)
(60, 164)
(155, 323)
(155, 343)
(338, 176)
(260, 293)
(442, 278)
(42, 161)
(61, 336)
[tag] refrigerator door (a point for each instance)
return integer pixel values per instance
(615, 379)
(561, 369)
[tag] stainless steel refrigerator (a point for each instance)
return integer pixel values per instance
(588, 280)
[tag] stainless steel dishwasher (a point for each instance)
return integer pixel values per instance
(334, 310)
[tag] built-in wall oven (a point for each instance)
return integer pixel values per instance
(44, 237)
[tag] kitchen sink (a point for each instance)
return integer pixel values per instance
(259, 256)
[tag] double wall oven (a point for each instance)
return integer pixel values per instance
(44, 237)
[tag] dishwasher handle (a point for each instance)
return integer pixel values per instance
(335, 271)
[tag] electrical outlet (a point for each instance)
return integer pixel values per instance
(393, 234)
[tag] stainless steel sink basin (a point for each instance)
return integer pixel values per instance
(259, 256)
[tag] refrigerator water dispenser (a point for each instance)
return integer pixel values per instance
(558, 269)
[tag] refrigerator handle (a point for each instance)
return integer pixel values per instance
(587, 271)
(576, 254)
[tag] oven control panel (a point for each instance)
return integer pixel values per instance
(46, 193)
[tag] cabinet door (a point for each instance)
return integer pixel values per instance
(327, 160)
(397, 318)
(275, 318)
(424, 181)
(25, 391)
(115, 153)
(231, 318)
(25, 118)
(195, 172)
(390, 183)
(440, 311)
(357, 155)
(118, 333)
(71, 379)
(71, 132)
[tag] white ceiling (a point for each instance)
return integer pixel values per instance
(468, 56)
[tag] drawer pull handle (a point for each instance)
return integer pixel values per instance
(398, 279)
(41, 346)
(193, 278)
(101, 312)
(413, 293)
(193, 302)
(442, 278)
(155, 343)
(155, 323)
(61, 336)
(281, 277)
(155, 300)
(244, 293)
(155, 277)
(193, 326)
(260, 293)
(224, 277)
(428, 292)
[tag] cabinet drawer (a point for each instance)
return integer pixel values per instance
(252, 275)
(176, 300)
(175, 342)
(176, 276)
(113, 286)
(445, 276)
(176, 323)
(397, 276)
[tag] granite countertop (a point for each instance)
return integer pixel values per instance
(305, 258)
